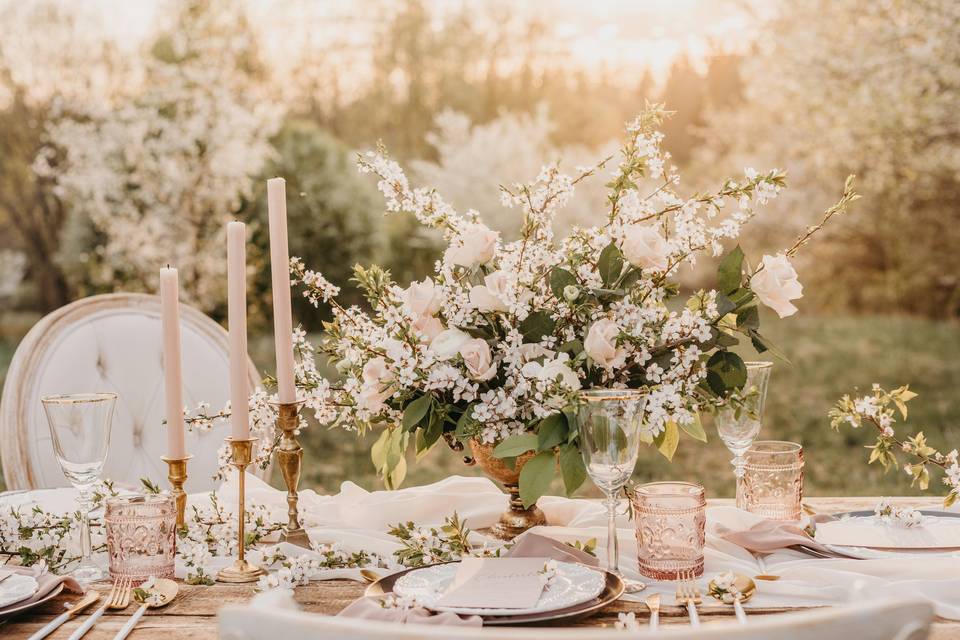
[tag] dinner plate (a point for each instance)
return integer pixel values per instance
(872, 553)
(16, 588)
(17, 608)
(573, 584)
(613, 588)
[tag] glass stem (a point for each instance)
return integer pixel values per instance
(739, 463)
(613, 545)
(86, 547)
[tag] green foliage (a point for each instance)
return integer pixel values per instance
(536, 475)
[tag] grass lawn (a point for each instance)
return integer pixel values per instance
(829, 356)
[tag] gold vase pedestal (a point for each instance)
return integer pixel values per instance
(177, 475)
(241, 571)
(290, 458)
(516, 519)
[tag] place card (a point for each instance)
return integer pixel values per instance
(934, 533)
(496, 583)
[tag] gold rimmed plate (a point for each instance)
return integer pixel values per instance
(613, 588)
(17, 608)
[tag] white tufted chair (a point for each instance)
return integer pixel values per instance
(113, 343)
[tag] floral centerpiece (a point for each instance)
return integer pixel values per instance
(493, 348)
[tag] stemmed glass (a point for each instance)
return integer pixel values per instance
(610, 421)
(80, 429)
(738, 423)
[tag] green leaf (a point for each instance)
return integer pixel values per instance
(572, 468)
(465, 423)
(761, 344)
(560, 278)
(667, 440)
(378, 452)
(434, 430)
(724, 305)
(610, 264)
(551, 431)
(695, 429)
(537, 325)
(535, 477)
(416, 410)
(729, 368)
(730, 271)
(516, 445)
(748, 318)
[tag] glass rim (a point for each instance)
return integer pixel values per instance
(76, 398)
(778, 447)
(138, 498)
(758, 364)
(601, 395)
(693, 489)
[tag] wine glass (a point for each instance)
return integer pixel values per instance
(739, 420)
(80, 430)
(610, 421)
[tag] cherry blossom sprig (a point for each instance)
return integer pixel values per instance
(879, 409)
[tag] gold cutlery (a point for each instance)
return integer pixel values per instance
(160, 594)
(369, 576)
(85, 601)
(689, 594)
(118, 598)
(745, 589)
(653, 603)
(766, 576)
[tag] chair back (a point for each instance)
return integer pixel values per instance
(113, 343)
(269, 617)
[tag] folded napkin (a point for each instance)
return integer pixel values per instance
(767, 536)
(46, 582)
(529, 545)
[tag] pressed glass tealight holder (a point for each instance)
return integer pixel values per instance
(670, 518)
(772, 484)
(141, 536)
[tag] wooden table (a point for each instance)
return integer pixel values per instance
(194, 613)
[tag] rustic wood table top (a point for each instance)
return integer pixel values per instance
(194, 613)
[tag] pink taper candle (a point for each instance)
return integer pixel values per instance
(172, 369)
(237, 318)
(280, 272)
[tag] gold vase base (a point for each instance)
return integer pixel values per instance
(296, 537)
(240, 572)
(515, 521)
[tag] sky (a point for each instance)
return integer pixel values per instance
(613, 33)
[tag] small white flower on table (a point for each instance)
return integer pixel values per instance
(906, 517)
(723, 587)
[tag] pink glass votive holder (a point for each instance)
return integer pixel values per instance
(670, 518)
(772, 483)
(141, 536)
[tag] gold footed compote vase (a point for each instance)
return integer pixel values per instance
(516, 519)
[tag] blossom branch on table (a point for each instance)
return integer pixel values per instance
(879, 408)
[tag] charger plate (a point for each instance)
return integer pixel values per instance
(613, 588)
(873, 553)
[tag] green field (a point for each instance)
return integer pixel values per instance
(829, 356)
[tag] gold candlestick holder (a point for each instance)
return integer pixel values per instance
(241, 454)
(290, 457)
(177, 475)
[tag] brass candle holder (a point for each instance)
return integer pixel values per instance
(290, 457)
(241, 454)
(177, 475)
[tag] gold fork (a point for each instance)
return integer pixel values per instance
(653, 603)
(118, 598)
(689, 594)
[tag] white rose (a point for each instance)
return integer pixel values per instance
(376, 388)
(429, 326)
(551, 370)
(644, 247)
(492, 294)
(776, 285)
(532, 350)
(474, 246)
(478, 359)
(447, 343)
(422, 298)
(601, 344)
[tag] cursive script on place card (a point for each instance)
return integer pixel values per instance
(496, 583)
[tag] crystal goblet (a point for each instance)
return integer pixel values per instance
(610, 426)
(80, 430)
(739, 421)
